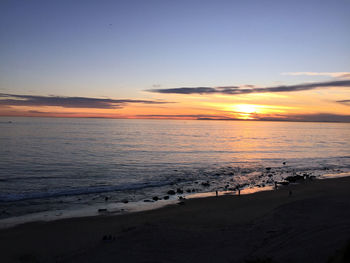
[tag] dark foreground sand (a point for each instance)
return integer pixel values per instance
(311, 225)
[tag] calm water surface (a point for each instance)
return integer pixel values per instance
(54, 164)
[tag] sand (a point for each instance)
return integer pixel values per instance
(310, 225)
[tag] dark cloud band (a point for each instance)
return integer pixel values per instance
(68, 102)
(345, 102)
(234, 90)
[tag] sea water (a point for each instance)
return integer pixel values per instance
(72, 164)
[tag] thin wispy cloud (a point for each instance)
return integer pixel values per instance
(318, 117)
(345, 102)
(69, 102)
(326, 74)
(186, 116)
(236, 90)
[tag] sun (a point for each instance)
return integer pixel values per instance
(246, 108)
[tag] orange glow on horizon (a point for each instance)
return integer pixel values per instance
(217, 107)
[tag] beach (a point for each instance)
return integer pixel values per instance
(307, 222)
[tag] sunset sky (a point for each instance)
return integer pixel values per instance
(252, 60)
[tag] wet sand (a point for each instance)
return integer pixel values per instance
(309, 225)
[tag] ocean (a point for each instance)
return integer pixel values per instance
(60, 167)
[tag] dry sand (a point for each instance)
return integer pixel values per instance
(311, 225)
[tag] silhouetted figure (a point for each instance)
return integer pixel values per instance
(239, 191)
(275, 185)
(216, 192)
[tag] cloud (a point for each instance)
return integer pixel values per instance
(235, 90)
(321, 117)
(68, 102)
(328, 74)
(318, 117)
(345, 102)
(187, 116)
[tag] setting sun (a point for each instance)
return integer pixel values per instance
(246, 108)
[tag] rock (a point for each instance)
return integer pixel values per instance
(179, 191)
(284, 163)
(306, 175)
(101, 210)
(206, 184)
(166, 197)
(106, 198)
(294, 178)
(268, 168)
(171, 192)
(125, 201)
(147, 201)
(188, 191)
(193, 190)
(155, 198)
(269, 175)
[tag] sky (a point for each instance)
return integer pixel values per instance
(246, 60)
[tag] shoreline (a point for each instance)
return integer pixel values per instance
(115, 208)
(302, 222)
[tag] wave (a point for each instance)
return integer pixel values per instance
(79, 191)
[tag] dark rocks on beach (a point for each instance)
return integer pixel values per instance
(171, 192)
(268, 168)
(206, 184)
(155, 198)
(101, 210)
(269, 175)
(125, 201)
(188, 191)
(147, 201)
(179, 191)
(166, 197)
(284, 163)
(193, 190)
(295, 178)
(106, 198)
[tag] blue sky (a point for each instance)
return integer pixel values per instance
(118, 49)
